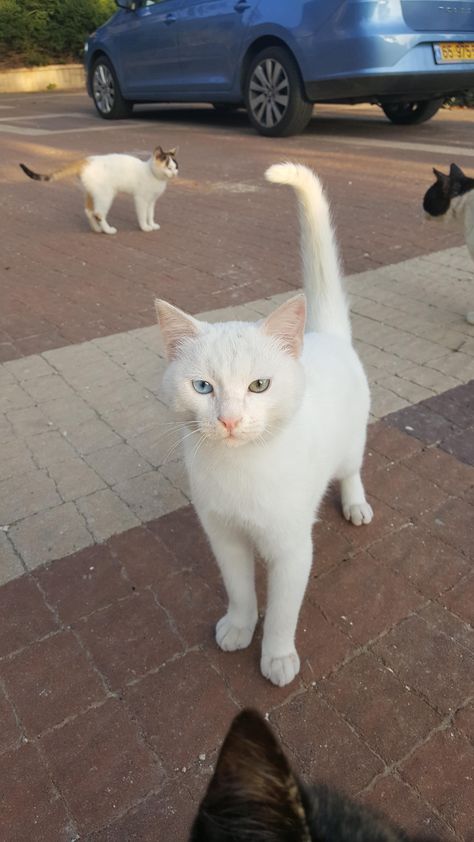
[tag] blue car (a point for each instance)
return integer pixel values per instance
(278, 57)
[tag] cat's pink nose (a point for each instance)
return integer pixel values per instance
(229, 423)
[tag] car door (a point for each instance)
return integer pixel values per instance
(210, 38)
(149, 50)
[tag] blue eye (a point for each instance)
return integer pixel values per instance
(260, 385)
(202, 387)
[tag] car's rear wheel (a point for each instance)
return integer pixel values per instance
(274, 94)
(106, 92)
(411, 113)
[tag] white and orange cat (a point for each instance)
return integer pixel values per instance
(273, 415)
(103, 176)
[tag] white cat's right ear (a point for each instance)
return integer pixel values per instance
(175, 326)
(287, 324)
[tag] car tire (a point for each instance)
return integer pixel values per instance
(274, 94)
(411, 113)
(106, 92)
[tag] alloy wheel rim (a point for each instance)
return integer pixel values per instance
(103, 89)
(269, 93)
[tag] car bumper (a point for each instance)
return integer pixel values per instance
(383, 87)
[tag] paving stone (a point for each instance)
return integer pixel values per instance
(146, 560)
(404, 388)
(102, 764)
(438, 617)
(48, 388)
(169, 703)
(429, 662)
(106, 514)
(363, 597)
(442, 771)
(73, 478)
(118, 463)
(25, 495)
(452, 523)
(131, 422)
(84, 582)
(456, 405)
(389, 717)
(50, 681)
(29, 421)
(150, 495)
(184, 594)
(384, 401)
(403, 805)
(40, 816)
(67, 412)
(18, 461)
(420, 421)
(28, 368)
(25, 616)
(171, 811)
(12, 396)
(397, 485)
(430, 378)
(49, 535)
(460, 599)
(129, 638)
(183, 535)
(438, 467)
(10, 732)
(464, 721)
(10, 564)
(319, 743)
(91, 435)
(6, 429)
(50, 447)
(390, 442)
(461, 446)
(430, 565)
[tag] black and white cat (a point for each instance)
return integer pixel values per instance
(451, 197)
(254, 796)
(103, 176)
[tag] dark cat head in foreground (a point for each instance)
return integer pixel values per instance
(437, 198)
(254, 796)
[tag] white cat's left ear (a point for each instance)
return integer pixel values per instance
(287, 324)
(175, 326)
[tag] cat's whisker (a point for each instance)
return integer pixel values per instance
(177, 444)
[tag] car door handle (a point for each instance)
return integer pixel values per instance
(241, 6)
(170, 18)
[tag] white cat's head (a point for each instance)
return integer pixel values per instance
(239, 382)
(164, 164)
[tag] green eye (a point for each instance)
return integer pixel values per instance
(259, 385)
(202, 387)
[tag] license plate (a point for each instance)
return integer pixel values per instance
(452, 52)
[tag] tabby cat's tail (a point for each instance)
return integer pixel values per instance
(65, 172)
(328, 309)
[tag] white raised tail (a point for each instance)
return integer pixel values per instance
(328, 309)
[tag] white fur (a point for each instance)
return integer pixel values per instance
(257, 485)
(103, 176)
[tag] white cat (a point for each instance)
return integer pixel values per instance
(273, 415)
(103, 176)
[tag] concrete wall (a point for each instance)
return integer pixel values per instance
(51, 77)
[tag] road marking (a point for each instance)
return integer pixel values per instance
(7, 128)
(433, 148)
(50, 116)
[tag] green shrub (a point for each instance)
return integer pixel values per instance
(41, 31)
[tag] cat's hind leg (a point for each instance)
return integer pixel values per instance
(235, 558)
(355, 507)
(89, 211)
(151, 217)
(102, 204)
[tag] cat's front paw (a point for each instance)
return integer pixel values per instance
(146, 228)
(280, 671)
(231, 637)
(358, 513)
(470, 317)
(109, 230)
(155, 226)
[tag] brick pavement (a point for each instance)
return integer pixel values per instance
(108, 591)
(115, 697)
